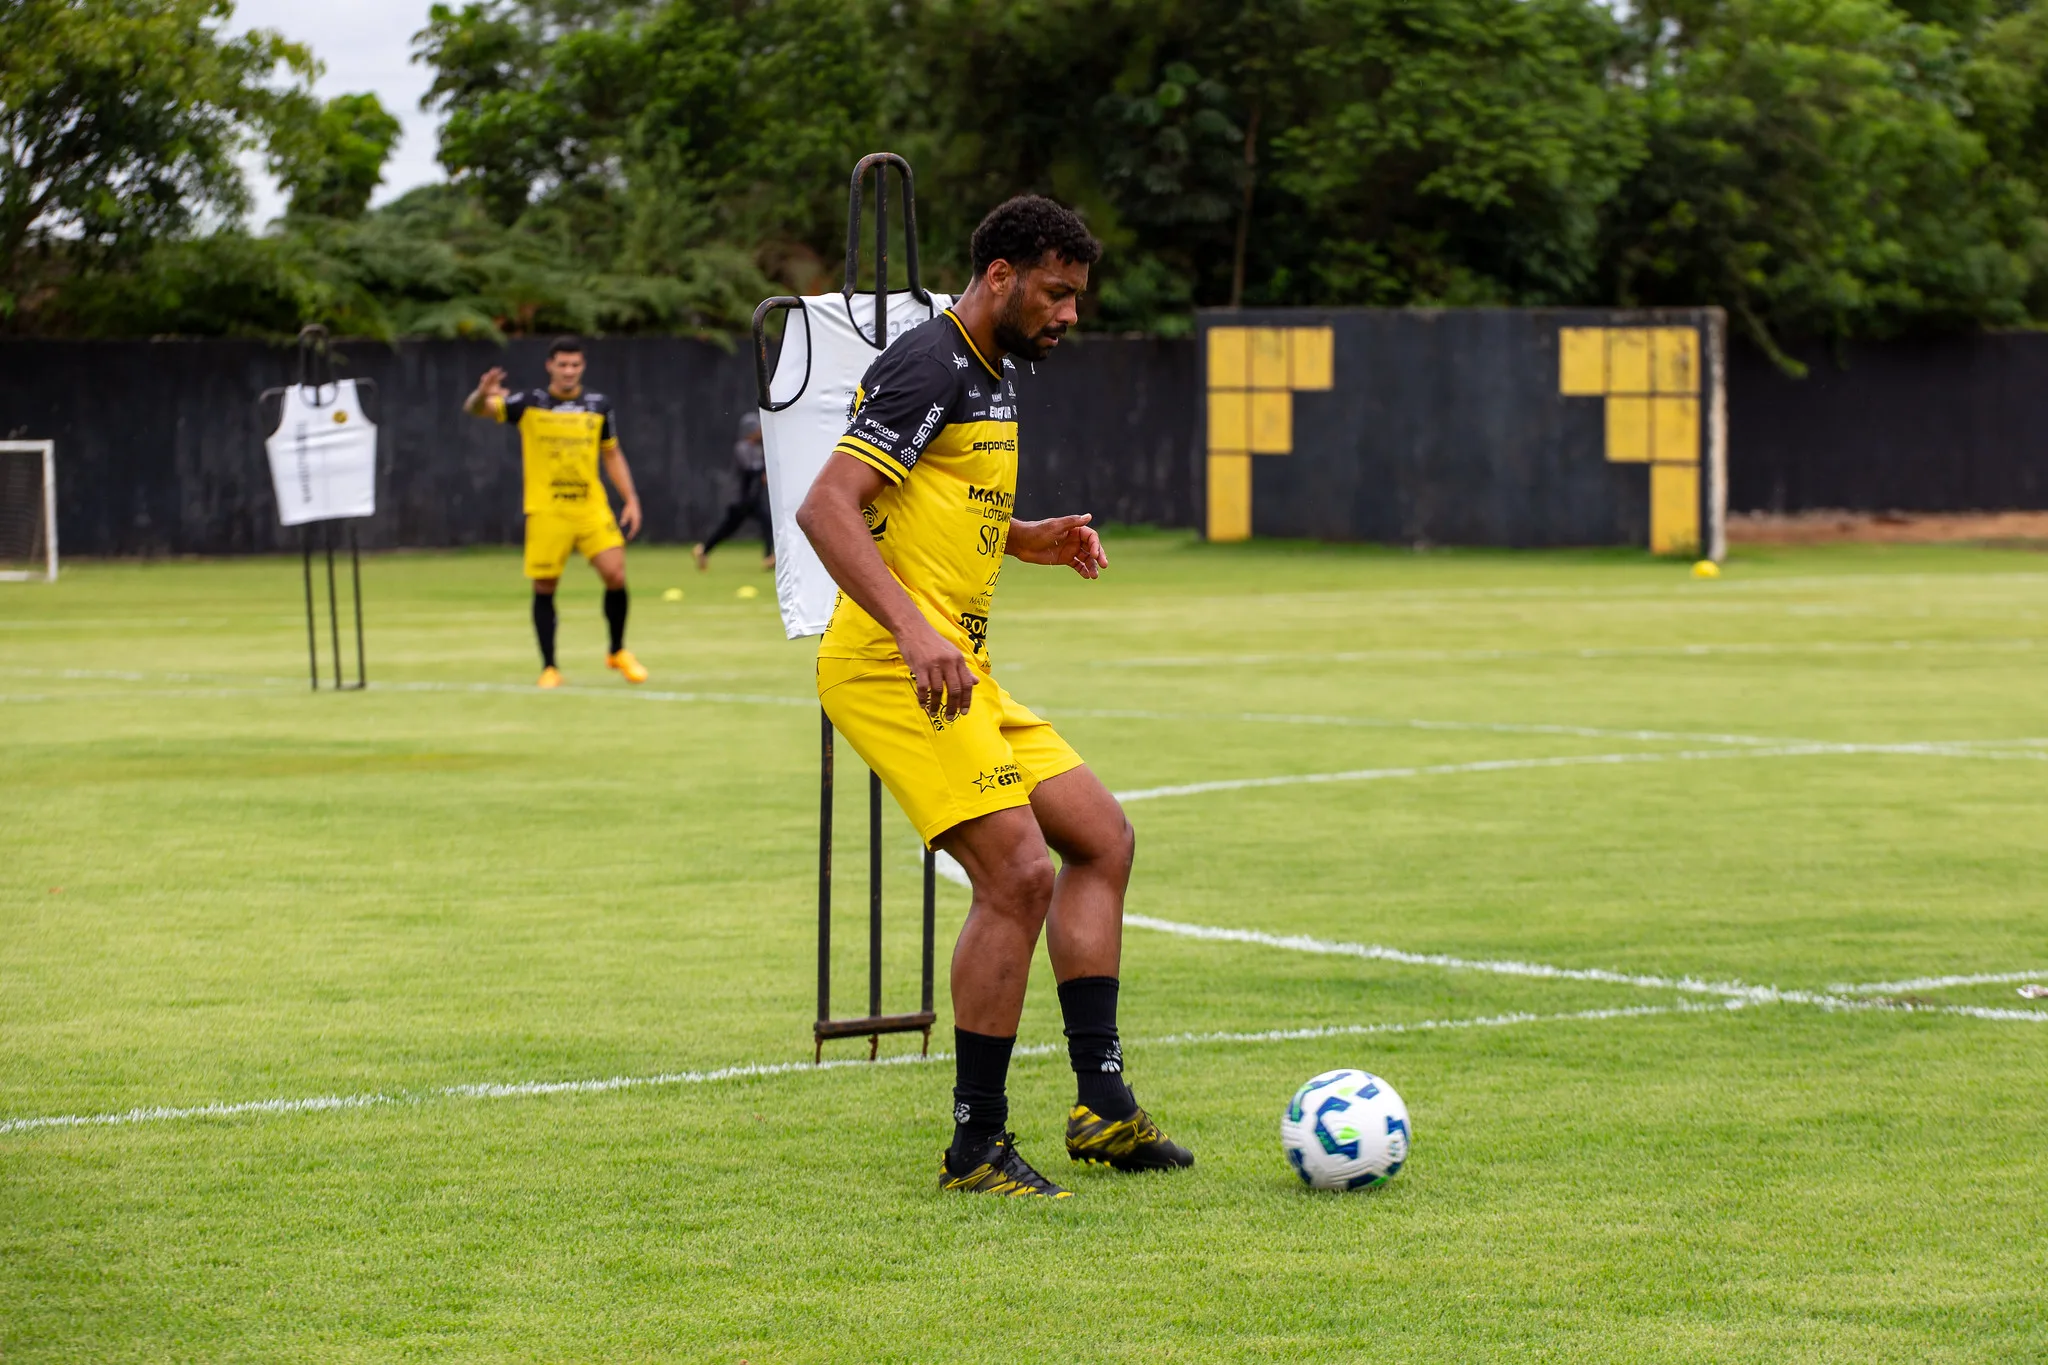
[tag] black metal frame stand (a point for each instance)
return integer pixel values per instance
(876, 1023)
(355, 569)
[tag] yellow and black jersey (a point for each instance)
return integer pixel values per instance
(940, 423)
(560, 440)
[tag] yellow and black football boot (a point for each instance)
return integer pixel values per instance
(1132, 1144)
(1000, 1171)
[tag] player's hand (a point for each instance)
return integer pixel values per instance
(1060, 540)
(944, 678)
(629, 518)
(491, 385)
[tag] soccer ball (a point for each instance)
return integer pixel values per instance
(1345, 1130)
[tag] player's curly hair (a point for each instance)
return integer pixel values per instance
(1024, 230)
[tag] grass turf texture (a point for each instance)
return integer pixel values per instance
(267, 894)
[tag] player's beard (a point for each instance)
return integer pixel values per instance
(1014, 340)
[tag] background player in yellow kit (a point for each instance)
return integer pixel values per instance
(912, 516)
(564, 432)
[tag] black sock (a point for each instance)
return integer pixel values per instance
(1088, 1003)
(615, 616)
(544, 626)
(981, 1070)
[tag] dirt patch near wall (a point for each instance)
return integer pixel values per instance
(1898, 528)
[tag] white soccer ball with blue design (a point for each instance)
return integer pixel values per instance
(1345, 1130)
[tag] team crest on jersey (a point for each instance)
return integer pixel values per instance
(959, 361)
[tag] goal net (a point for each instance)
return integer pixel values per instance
(28, 510)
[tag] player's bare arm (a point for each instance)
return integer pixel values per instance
(621, 475)
(831, 518)
(490, 386)
(1059, 540)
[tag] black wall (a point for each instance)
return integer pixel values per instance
(1952, 424)
(160, 446)
(160, 451)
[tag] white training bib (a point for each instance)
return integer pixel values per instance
(323, 455)
(824, 354)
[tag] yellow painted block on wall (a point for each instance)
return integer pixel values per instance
(1582, 361)
(1230, 419)
(1268, 348)
(1272, 423)
(1675, 430)
(1628, 430)
(1313, 357)
(1628, 360)
(1674, 509)
(1230, 496)
(1675, 353)
(1228, 366)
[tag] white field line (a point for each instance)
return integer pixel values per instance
(1938, 983)
(1484, 727)
(1759, 647)
(750, 1070)
(1964, 748)
(1736, 991)
(1568, 761)
(1836, 998)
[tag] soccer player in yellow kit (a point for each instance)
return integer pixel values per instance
(564, 432)
(912, 516)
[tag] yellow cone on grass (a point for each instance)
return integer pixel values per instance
(748, 592)
(1706, 568)
(672, 595)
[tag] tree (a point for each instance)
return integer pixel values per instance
(121, 121)
(331, 162)
(1810, 167)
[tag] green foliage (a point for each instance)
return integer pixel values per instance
(1811, 166)
(331, 162)
(121, 121)
(1823, 168)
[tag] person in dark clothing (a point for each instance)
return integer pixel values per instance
(750, 465)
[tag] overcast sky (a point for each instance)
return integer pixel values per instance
(365, 45)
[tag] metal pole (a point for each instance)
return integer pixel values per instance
(824, 872)
(333, 607)
(312, 638)
(50, 509)
(874, 895)
(881, 253)
(931, 867)
(355, 568)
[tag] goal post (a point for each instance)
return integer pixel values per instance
(28, 511)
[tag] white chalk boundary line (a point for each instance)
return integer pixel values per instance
(1938, 983)
(1755, 647)
(752, 1070)
(1735, 991)
(1572, 761)
(1764, 745)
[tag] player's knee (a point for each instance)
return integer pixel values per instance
(1023, 886)
(1124, 845)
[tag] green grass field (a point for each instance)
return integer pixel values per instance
(1825, 769)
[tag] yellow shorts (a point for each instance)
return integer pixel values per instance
(941, 771)
(550, 536)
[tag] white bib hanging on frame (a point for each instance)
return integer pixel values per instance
(323, 455)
